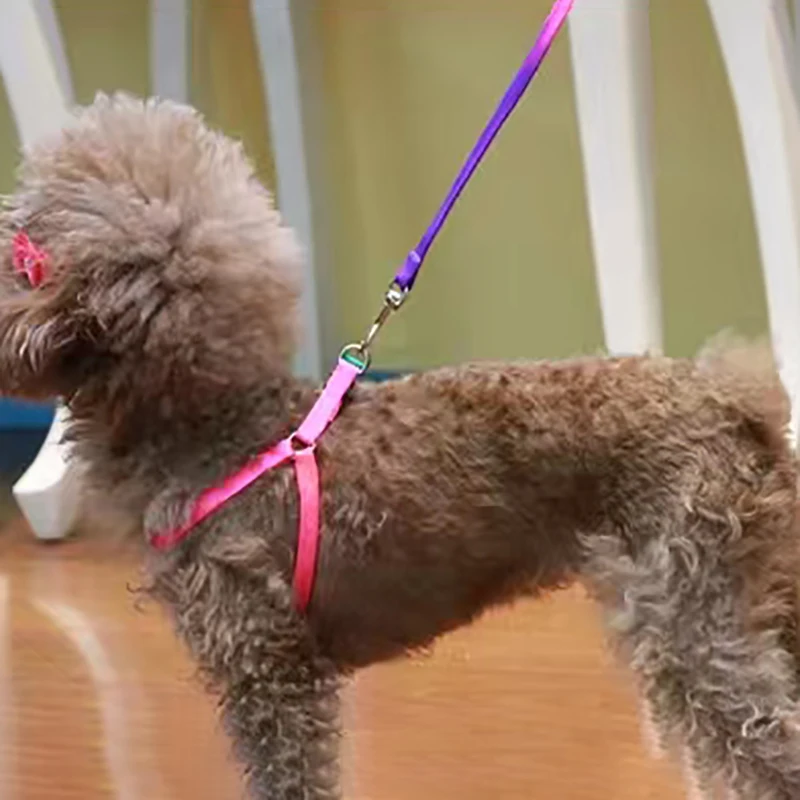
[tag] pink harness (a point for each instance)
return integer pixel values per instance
(299, 447)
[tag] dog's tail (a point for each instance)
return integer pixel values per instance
(748, 374)
(703, 604)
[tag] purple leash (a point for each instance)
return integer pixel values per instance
(406, 276)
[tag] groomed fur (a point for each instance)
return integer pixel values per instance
(168, 324)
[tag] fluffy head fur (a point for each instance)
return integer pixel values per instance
(137, 205)
(168, 322)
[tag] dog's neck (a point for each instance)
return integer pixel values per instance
(142, 444)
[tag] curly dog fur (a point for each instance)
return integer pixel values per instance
(168, 323)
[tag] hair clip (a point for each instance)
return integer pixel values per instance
(28, 259)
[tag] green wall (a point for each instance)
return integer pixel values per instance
(226, 76)
(8, 143)
(407, 85)
(107, 45)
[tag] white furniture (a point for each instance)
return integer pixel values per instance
(610, 45)
(289, 66)
(37, 82)
(610, 56)
(760, 56)
(169, 49)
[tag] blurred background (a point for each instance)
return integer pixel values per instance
(406, 87)
(526, 704)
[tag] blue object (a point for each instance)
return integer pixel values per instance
(23, 427)
(379, 376)
(18, 416)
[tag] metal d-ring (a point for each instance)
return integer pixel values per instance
(358, 355)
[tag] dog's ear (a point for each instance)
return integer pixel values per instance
(45, 337)
(41, 346)
(90, 307)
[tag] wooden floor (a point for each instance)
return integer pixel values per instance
(97, 701)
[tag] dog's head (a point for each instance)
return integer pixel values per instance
(139, 243)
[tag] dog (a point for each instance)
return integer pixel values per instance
(167, 321)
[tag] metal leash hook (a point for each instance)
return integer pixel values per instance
(358, 354)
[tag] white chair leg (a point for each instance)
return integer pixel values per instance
(169, 48)
(49, 491)
(39, 95)
(610, 43)
(757, 46)
(31, 70)
(282, 29)
(797, 33)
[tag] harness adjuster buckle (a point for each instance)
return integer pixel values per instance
(298, 444)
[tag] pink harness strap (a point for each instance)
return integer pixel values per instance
(305, 559)
(299, 448)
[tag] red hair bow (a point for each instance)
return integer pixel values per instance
(28, 259)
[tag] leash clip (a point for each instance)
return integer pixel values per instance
(358, 354)
(394, 298)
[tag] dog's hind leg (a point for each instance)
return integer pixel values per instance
(677, 608)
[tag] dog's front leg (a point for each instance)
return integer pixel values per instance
(279, 698)
(284, 723)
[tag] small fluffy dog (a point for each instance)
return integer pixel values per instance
(167, 321)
